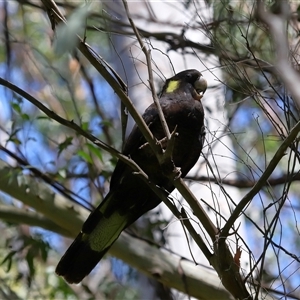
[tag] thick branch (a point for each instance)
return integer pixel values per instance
(171, 270)
(16, 215)
(28, 190)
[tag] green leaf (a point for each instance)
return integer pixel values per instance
(15, 140)
(13, 137)
(25, 117)
(96, 151)
(44, 118)
(66, 34)
(65, 144)
(85, 125)
(16, 107)
(85, 156)
(106, 123)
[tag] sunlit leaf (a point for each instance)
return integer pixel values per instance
(66, 34)
(16, 107)
(85, 156)
(25, 117)
(96, 151)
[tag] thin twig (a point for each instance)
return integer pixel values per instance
(147, 53)
(71, 124)
(196, 236)
(111, 77)
(196, 207)
(55, 184)
(262, 181)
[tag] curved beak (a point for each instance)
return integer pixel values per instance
(200, 86)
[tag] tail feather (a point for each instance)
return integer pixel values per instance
(78, 261)
(98, 234)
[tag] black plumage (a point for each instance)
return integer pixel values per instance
(130, 196)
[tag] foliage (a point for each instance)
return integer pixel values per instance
(50, 66)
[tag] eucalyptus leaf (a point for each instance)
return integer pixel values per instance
(66, 34)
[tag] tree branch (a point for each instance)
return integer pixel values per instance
(150, 74)
(72, 125)
(171, 270)
(109, 75)
(245, 184)
(16, 215)
(262, 181)
(26, 189)
(63, 218)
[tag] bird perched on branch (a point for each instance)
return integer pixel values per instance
(130, 196)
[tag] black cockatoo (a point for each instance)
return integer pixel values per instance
(129, 196)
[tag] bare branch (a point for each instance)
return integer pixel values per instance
(262, 181)
(245, 184)
(68, 219)
(110, 76)
(150, 74)
(16, 215)
(72, 125)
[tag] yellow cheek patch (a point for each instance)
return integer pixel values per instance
(172, 86)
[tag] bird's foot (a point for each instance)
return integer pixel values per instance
(177, 172)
